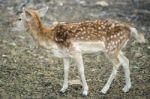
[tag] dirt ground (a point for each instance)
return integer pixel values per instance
(28, 72)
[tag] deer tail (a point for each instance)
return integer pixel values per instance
(138, 36)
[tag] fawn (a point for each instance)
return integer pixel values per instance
(70, 40)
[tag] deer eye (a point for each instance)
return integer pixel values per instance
(19, 19)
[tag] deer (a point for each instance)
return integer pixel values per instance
(69, 40)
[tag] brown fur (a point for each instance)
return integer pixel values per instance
(98, 30)
(64, 34)
(37, 29)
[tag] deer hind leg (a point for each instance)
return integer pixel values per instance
(125, 63)
(66, 70)
(116, 65)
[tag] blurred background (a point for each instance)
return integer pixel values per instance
(27, 71)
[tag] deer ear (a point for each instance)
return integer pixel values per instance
(27, 14)
(42, 11)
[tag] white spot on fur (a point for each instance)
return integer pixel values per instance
(111, 36)
(113, 42)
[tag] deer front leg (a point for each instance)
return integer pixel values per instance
(79, 60)
(116, 64)
(66, 70)
(112, 76)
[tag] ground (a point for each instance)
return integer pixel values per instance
(27, 71)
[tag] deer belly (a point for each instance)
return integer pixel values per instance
(90, 47)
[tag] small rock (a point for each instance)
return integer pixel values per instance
(102, 3)
(81, 2)
(137, 55)
(148, 47)
(61, 3)
(4, 55)
(13, 44)
(143, 28)
(21, 37)
(41, 57)
(93, 70)
(72, 82)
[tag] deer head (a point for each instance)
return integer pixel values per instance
(28, 16)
